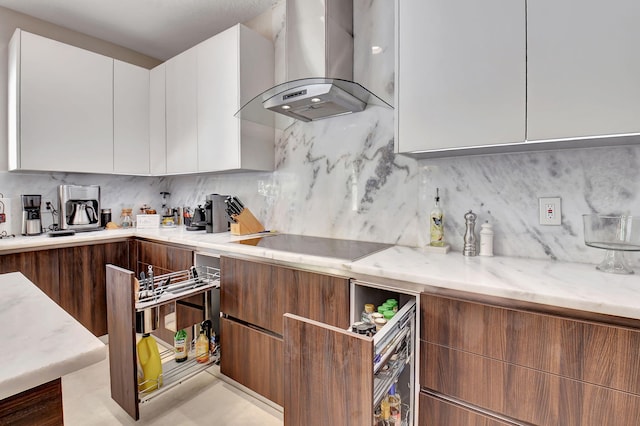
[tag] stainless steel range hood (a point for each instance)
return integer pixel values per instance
(319, 67)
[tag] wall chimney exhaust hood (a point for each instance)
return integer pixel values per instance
(319, 66)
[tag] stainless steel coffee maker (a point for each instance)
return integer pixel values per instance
(79, 207)
(31, 218)
(215, 213)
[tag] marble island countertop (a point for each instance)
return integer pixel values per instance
(562, 284)
(41, 342)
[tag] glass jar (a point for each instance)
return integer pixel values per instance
(380, 322)
(125, 218)
(366, 314)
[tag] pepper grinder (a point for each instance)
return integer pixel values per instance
(469, 235)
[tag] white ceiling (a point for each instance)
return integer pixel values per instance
(157, 28)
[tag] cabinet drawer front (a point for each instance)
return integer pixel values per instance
(523, 393)
(326, 367)
(253, 359)
(260, 294)
(438, 412)
(162, 256)
(596, 353)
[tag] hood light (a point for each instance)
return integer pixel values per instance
(286, 107)
(316, 100)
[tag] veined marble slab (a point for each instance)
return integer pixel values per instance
(41, 342)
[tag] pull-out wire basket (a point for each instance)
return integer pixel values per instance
(155, 289)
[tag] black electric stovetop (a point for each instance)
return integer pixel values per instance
(317, 246)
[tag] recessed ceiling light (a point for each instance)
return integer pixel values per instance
(376, 49)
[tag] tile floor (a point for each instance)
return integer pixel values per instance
(202, 400)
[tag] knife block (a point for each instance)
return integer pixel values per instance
(246, 223)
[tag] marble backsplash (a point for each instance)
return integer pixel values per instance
(340, 178)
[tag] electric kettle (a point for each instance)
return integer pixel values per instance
(83, 215)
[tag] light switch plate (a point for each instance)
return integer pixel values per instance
(550, 211)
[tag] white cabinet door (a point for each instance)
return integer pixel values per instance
(64, 107)
(181, 113)
(233, 66)
(461, 78)
(218, 79)
(157, 121)
(130, 119)
(583, 68)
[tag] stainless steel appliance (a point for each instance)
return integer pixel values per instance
(31, 218)
(215, 213)
(320, 84)
(198, 221)
(79, 207)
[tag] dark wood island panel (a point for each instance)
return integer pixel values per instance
(40, 406)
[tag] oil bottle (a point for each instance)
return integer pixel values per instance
(202, 343)
(436, 223)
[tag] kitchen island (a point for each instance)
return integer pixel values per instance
(42, 343)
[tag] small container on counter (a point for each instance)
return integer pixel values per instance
(125, 218)
(105, 217)
(486, 239)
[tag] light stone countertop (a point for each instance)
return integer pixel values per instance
(562, 284)
(41, 342)
(569, 285)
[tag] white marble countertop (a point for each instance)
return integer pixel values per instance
(568, 285)
(41, 341)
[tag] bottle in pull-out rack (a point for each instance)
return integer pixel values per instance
(202, 346)
(180, 345)
(436, 223)
(395, 406)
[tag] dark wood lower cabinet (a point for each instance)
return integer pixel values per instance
(73, 277)
(40, 406)
(438, 412)
(40, 267)
(328, 378)
(528, 366)
(253, 358)
(259, 294)
(83, 281)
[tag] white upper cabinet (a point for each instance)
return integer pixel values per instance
(157, 121)
(181, 113)
(461, 74)
(583, 68)
(61, 107)
(130, 119)
(233, 66)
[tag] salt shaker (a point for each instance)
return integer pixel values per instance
(469, 235)
(486, 239)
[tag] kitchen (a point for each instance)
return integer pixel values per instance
(340, 178)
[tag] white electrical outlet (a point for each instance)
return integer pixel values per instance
(550, 211)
